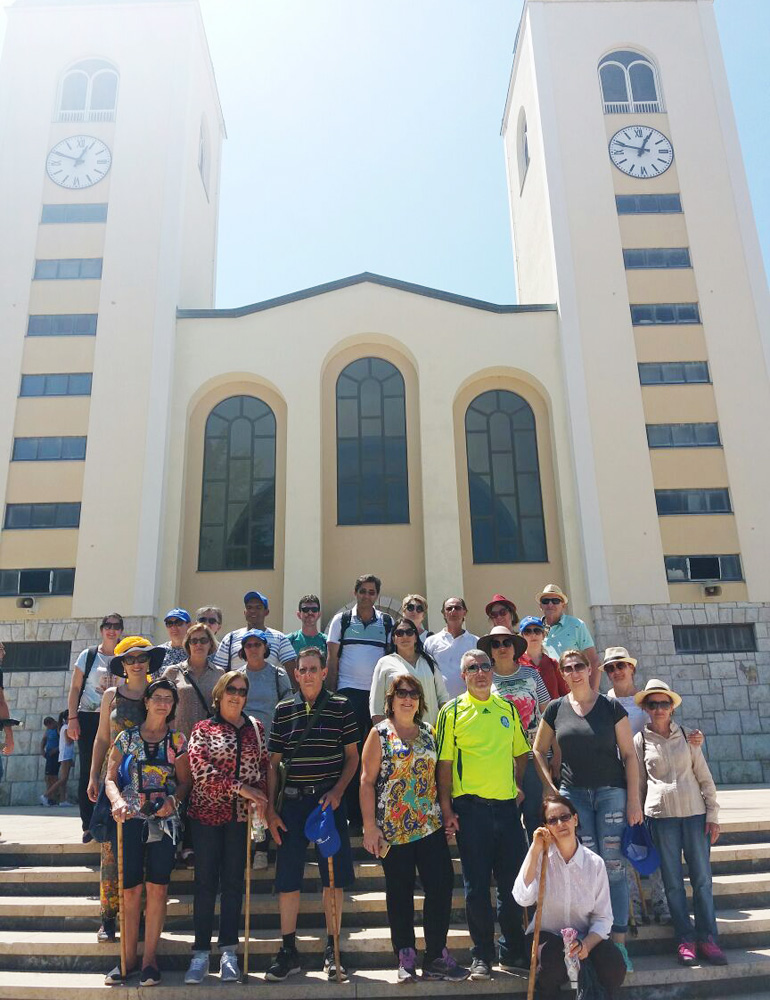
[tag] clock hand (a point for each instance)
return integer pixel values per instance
(643, 147)
(69, 156)
(624, 144)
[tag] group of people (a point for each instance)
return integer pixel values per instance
(503, 741)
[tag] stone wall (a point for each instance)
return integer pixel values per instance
(727, 695)
(33, 695)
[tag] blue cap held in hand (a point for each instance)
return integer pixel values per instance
(322, 830)
(636, 845)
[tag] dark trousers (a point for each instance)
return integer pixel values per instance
(430, 857)
(89, 724)
(491, 841)
(359, 702)
(606, 959)
(220, 860)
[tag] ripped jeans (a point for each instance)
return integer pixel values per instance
(601, 821)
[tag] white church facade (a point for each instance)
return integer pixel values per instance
(156, 451)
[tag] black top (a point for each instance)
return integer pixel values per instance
(589, 749)
(322, 754)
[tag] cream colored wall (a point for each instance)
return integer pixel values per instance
(670, 343)
(63, 297)
(675, 468)
(673, 404)
(35, 417)
(703, 534)
(653, 230)
(673, 285)
(58, 354)
(30, 482)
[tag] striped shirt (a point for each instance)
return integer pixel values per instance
(228, 656)
(322, 754)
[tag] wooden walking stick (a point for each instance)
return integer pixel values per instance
(335, 932)
(121, 904)
(538, 920)
(247, 923)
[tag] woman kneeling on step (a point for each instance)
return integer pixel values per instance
(148, 776)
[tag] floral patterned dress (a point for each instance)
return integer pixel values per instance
(407, 806)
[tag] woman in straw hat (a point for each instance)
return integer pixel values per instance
(680, 800)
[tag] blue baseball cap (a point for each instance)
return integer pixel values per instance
(636, 845)
(531, 620)
(254, 633)
(178, 613)
(322, 830)
(255, 595)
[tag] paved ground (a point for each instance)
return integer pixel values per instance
(61, 825)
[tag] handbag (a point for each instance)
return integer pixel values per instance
(282, 772)
(102, 827)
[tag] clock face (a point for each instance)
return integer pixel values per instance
(641, 151)
(78, 162)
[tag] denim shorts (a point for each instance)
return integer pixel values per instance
(291, 852)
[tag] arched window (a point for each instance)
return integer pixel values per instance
(504, 480)
(88, 92)
(629, 83)
(238, 505)
(372, 482)
(522, 146)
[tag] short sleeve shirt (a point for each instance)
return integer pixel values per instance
(481, 738)
(322, 754)
(447, 651)
(267, 687)
(98, 680)
(589, 748)
(228, 656)
(527, 691)
(364, 644)
(567, 633)
(301, 641)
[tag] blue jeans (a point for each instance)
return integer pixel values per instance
(491, 840)
(671, 837)
(532, 806)
(601, 821)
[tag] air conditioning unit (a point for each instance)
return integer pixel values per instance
(28, 604)
(712, 590)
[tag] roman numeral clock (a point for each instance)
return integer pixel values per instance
(78, 162)
(641, 151)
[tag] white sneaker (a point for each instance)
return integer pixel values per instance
(199, 968)
(43, 800)
(229, 972)
(260, 861)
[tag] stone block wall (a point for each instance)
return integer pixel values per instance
(727, 695)
(31, 695)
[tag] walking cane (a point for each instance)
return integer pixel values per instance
(538, 919)
(121, 904)
(247, 923)
(335, 932)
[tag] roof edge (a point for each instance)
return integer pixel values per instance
(357, 279)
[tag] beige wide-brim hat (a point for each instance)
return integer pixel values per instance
(617, 654)
(499, 632)
(655, 686)
(551, 590)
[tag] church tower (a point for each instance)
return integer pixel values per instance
(109, 227)
(631, 211)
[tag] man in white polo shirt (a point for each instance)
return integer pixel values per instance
(447, 646)
(356, 640)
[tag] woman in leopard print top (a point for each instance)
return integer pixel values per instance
(228, 760)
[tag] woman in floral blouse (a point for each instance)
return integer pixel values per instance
(403, 826)
(228, 758)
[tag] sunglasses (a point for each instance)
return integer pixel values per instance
(256, 644)
(141, 658)
(239, 691)
(474, 668)
(200, 640)
(574, 668)
(454, 607)
(114, 626)
(501, 613)
(208, 621)
(533, 631)
(406, 693)
(657, 704)
(497, 643)
(550, 600)
(414, 607)
(309, 610)
(619, 665)
(171, 622)
(401, 632)
(561, 818)
(302, 671)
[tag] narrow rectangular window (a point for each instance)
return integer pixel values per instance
(648, 204)
(62, 325)
(703, 569)
(665, 313)
(76, 384)
(36, 582)
(42, 515)
(68, 268)
(96, 212)
(715, 639)
(674, 372)
(698, 501)
(658, 257)
(705, 435)
(35, 656)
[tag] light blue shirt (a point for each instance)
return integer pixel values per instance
(567, 633)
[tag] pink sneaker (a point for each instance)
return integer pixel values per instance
(711, 952)
(686, 952)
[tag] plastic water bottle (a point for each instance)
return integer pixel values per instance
(569, 934)
(258, 830)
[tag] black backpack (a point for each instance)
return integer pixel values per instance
(347, 618)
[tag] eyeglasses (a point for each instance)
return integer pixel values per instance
(141, 658)
(162, 699)
(234, 689)
(473, 668)
(610, 668)
(208, 621)
(309, 610)
(500, 613)
(401, 632)
(406, 693)
(657, 704)
(302, 671)
(533, 631)
(453, 607)
(171, 622)
(561, 818)
(497, 643)
(550, 600)
(255, 644)
(200, 640)
(114, 626)
(411, 606)
(574, 668)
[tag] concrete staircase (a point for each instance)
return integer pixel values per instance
(49, 913)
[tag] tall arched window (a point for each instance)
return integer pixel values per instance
(238, 505)
(372, 482)
(522, 147)
(504, 480)
(88, 92)
(629, 83)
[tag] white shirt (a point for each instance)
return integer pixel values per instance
(577, 893)
(228, 656)
(636, 714)
(99, 679)
(364, 644)
(447, 652)
(433, 686)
